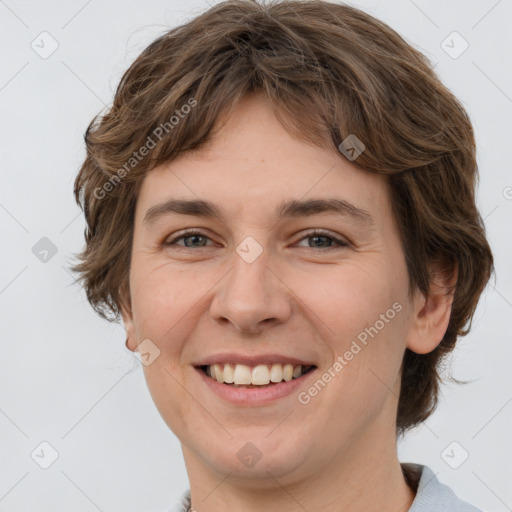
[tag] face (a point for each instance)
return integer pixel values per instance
(258, 287)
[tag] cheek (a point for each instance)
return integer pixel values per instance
(360, 310)
(162, 300)
(349, 296)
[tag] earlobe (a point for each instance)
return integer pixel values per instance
(432, 312)
(131, 339)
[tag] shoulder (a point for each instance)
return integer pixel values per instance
(431, 494)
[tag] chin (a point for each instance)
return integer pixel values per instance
(255, 461)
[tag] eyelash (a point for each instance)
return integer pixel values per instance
(314, 233)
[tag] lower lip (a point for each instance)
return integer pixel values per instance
(254, 396)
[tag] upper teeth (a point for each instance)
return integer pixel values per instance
(259, 375)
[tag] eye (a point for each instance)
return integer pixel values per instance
(189, 234)
(196, 239)
(319, 234)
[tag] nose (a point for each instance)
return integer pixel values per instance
(252, 296)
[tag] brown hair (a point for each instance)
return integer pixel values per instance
(335, 71)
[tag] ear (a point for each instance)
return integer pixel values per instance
(432, 311)
(129, 327)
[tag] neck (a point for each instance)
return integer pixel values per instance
(365, 476)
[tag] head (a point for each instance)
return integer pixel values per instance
(246, 107)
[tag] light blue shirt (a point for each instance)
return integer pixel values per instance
(431, 495)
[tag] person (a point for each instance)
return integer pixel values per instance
(280, 206)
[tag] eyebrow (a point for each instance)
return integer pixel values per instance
(287, 209)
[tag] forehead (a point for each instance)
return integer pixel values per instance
(253, 165)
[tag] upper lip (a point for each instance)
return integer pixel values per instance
(251, 360)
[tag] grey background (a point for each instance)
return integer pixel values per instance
(66, 377)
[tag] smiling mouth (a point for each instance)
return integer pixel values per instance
(258, 376)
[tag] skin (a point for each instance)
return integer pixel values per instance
(338, 452)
